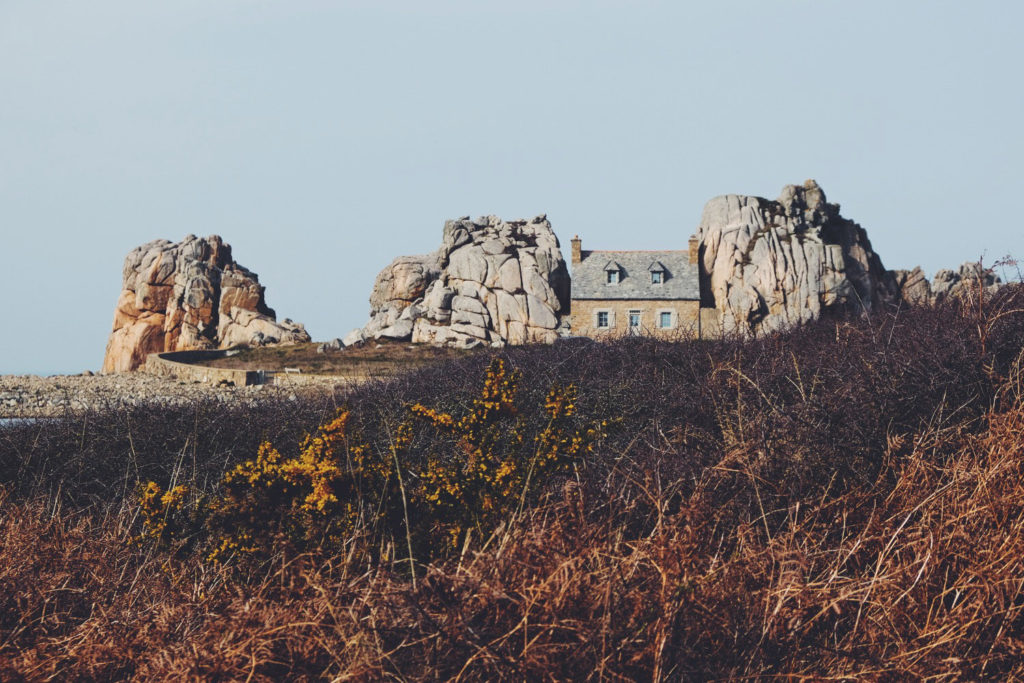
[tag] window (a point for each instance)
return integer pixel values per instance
(657, 277)
(613, 273)
(602, 318)
(665, 320)
(634, 320)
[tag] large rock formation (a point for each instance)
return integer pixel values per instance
(767, 265)
(189, 295)
(491, 281)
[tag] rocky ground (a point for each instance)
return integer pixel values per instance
(34, 396)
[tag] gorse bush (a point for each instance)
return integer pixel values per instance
(495, 467)
(338, 483)
(308, 500)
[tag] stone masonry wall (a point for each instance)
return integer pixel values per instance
(687, 317)
(178, 365)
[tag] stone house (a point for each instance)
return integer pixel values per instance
(657, 293)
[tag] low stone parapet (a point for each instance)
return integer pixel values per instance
(180, 365)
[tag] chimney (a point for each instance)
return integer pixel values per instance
(694, 249)
(577, 250)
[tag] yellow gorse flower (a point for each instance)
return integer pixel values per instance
(487, 484)
(477, 476)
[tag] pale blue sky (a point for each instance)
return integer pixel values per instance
(321, 139)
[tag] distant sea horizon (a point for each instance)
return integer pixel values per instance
(7, 421)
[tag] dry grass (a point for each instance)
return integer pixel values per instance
(370, 359)
(923, 579)
(763, 534)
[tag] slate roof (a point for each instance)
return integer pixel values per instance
(681, 280)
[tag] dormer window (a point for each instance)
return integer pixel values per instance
(613, 273)
(657, 271)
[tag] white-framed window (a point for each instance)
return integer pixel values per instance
(603, 320)
(657, 277)
(613, 277)
(666, 320)
(634, 320)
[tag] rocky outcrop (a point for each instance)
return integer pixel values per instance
(961, 283)
(913, 286)
(190, 295)
(767, 265)
(491, 282)
(964, 282)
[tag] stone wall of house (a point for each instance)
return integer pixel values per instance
(687, 315)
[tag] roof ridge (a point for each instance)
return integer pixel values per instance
(637, 251)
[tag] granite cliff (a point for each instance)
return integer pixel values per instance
(490, 282)
(767, 265)
(189, 295)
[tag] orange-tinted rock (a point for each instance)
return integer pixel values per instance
(189, 295)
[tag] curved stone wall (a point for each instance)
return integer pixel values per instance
(179, 365)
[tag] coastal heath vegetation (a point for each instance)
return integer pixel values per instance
(479, 470)
(843, 500)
